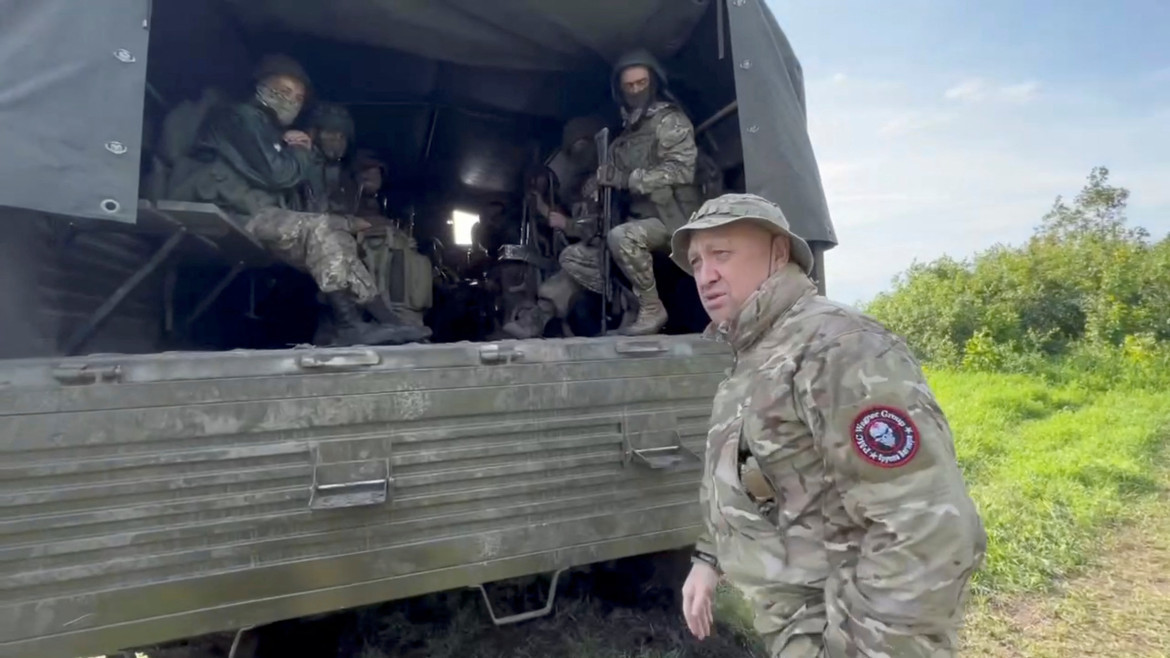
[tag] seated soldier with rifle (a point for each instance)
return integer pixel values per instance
(247, 161)
(575, 214)
(652, 162)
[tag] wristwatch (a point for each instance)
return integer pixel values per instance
(707, 558)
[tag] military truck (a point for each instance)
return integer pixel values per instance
(175, 458)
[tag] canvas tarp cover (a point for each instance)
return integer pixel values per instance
(72, 80)
(62, 99)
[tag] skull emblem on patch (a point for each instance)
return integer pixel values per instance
(885, 436)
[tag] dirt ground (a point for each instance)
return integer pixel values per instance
(618, 610)
(1119, 605)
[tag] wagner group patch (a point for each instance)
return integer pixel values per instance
(885, 436)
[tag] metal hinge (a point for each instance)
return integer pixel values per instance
(499, 354)
(87, 374)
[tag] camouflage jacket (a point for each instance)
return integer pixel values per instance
(331, 187)
(831, 493)
(657, 155)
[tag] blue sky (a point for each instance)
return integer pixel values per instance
(946, 126)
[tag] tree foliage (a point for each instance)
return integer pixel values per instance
(1084, 281)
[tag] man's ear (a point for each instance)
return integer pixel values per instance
(781, 250)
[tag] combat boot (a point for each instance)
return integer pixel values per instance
(351, 329)
(385, 315)
(651, 314)
(530, 321)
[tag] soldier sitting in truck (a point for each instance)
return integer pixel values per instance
(575, 215)
(247, 161)
(404, 276)
(653, 161)
(331, 187)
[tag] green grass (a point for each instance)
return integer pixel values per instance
(1050, 467)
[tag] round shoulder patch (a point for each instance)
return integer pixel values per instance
(885, 436)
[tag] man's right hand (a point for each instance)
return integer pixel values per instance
(557, 220)
(298, 138)
(699, 599)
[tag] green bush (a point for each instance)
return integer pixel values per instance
(1085, 290)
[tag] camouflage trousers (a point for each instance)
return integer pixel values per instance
(319, 244)
(630, 246)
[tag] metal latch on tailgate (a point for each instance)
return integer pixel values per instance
(343, 484)
(85, 373)
(499, 354)
(652, 441)
(328, 360)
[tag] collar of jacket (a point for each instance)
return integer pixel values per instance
(763, 309)
(633, 118)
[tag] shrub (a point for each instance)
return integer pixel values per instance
(1085, 286)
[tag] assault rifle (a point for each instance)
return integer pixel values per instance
(605, 193)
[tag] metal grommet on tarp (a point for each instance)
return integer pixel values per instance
(123, 55)
(110, 206)
(116, 147)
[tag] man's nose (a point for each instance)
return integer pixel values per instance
(706, 275)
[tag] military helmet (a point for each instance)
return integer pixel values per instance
(334, 117)
(366, 158)
(580, 128)
(637, 57)
(730, 208)
(279, 64)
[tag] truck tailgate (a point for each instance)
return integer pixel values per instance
(148, 498)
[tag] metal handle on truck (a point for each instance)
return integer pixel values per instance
(331, 488)
(667, 458)
(339, 360)
(350, 494)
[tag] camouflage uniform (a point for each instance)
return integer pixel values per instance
(580, 262)
(655, 158)
(239, 161)
(321, 244)
(831, 494)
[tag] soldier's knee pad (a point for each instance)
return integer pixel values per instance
(618, 236)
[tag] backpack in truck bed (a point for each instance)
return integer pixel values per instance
(177, 135)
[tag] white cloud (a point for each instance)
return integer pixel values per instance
(979, 89)
(839, 78)
(973, 89)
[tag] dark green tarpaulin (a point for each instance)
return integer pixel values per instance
(72, 81)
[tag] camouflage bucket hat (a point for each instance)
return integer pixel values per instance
(731, 208)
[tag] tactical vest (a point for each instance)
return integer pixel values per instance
(637, 148)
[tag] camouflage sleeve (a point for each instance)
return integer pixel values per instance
(706, 539)
(677, 154)
(889, 451)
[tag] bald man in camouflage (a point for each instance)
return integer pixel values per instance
(830, 493)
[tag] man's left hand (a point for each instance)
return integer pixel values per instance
(610, 176)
